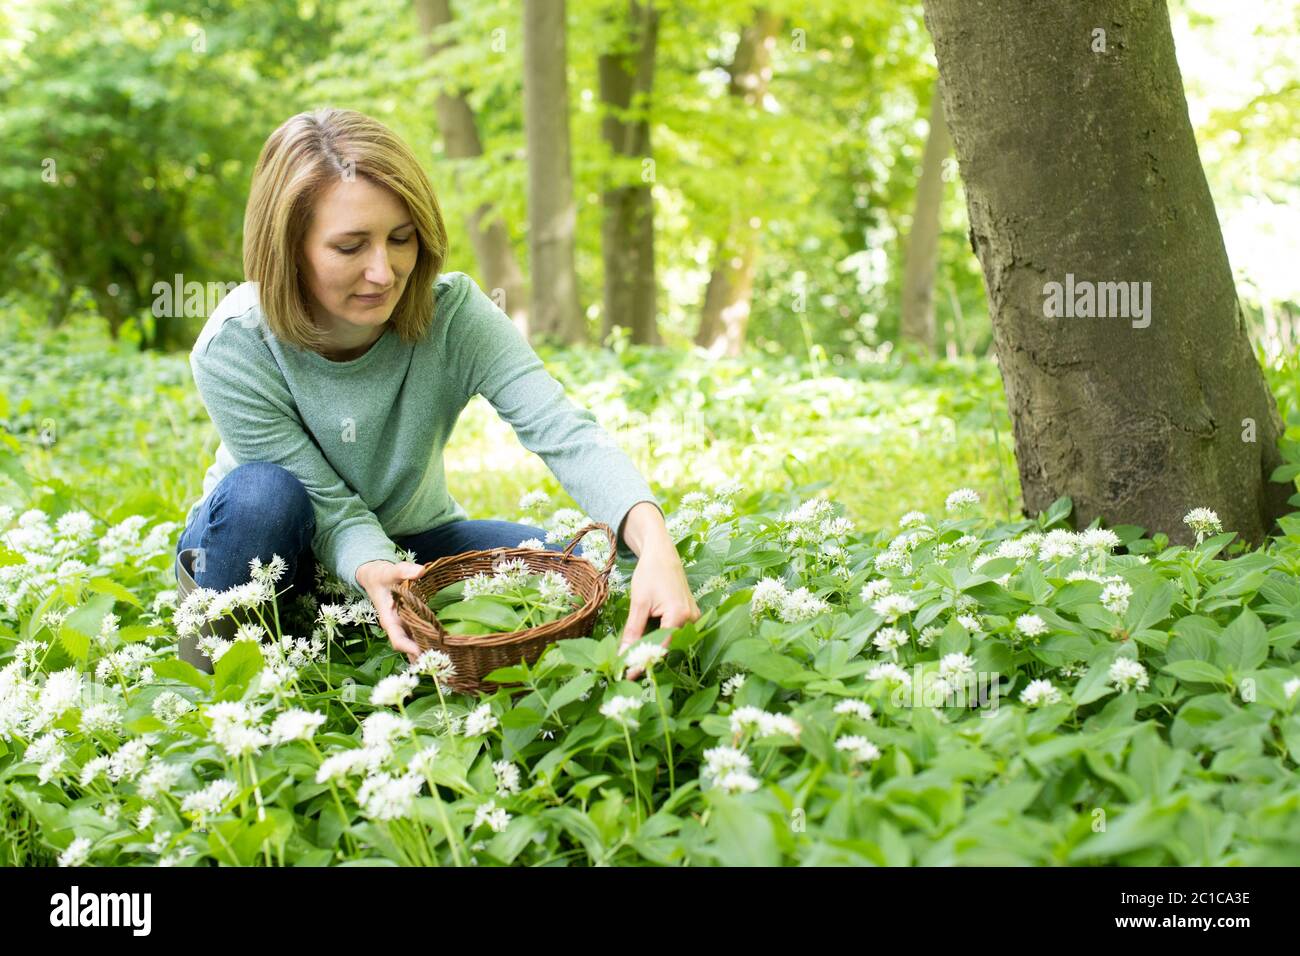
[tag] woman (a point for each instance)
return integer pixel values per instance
(336, 373)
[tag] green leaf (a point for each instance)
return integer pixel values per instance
(570, 692)
(755, 655)
(1243, 645)
(742, 836)
(1141, 825)
(1149, 605)
(111, 587)
(1058, 510)
(1197, 672)
(1092, 685)
(74, 641)
(701, 702)
(482, 610)
(183, 671)
(508, 844)
(235, 668)
(1195, 638)
(82, 624)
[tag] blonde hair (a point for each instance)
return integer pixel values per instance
(298, 162)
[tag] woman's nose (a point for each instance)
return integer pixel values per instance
(378, 270)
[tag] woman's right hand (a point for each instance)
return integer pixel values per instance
(379, 579)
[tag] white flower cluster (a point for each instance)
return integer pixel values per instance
(565, 524)
(891, 672)
(858, 748)
(386, 796)
(1039, 693)
(621, 709)
(728, 769)
(814, 523)
(1115, 597)
(1203, 521)
(47, 552)
(770, 594)
(855, 708)
(479, 721)
(893, 606)
(513, 574)
(495, 817)
(960, 500)
(762, 723)
(697, 505)
(1127, 674)
(378, 732)
(1057, 544)
(1031, 625)
(533, 500)
(435, 664)
(204, 604)
(390, 691)
(643, 655)
(507, 775)
(889, 640)
(732, 684)
(209, 801)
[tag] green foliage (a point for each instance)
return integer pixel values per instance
(970, 690)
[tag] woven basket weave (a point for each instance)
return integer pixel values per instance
(477, 655)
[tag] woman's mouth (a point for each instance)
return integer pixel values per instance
(373, 299)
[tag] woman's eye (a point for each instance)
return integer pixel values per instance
(402, 242)
(347, 252)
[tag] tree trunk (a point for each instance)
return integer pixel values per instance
(923, 243)
(552, 215)
(487, 233)
(1080, 165)
(725, 315)
(627, 232)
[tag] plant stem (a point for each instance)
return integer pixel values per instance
(668, 739)
(636, 789)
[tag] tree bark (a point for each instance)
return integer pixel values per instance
(552, 215)
(917, 323)
(487, 232)
(627, 231)
(725, 315)
(1079, 163)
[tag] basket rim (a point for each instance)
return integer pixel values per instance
(407, 604)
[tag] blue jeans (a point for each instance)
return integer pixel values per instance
(260, 509)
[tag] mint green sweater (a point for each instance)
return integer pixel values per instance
(366, 437)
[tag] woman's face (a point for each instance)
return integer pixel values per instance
(357, 254)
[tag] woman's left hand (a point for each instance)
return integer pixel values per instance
(659, 589)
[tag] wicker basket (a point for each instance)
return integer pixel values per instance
(476, 655)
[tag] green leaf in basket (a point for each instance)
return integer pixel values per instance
(481, 610)
(445, 596)
(467, 627)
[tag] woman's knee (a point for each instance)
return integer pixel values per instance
(266, 498)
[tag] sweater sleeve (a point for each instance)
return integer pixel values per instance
(499, 364)
(254, 413)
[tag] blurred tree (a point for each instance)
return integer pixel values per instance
(551, 211)
(121, 155)
(917, 324)
(727, 299)
(497, 264)
(626, 75)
